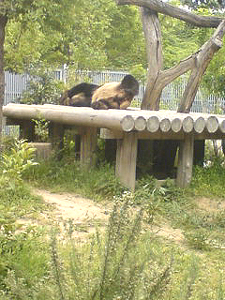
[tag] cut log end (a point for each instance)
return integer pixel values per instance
(199, 125)
(165, 125)
(222, 126)
(127, 123)
(153, 124)
(212, 124)
(188, 124)
(140, 123)
(176, 125)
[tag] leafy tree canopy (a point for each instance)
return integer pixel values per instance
(214, 4)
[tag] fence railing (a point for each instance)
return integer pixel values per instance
(15, 84)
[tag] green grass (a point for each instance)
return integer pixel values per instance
(128, 261)
(97, 183)
(210, 181)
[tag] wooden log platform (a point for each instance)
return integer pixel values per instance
(126, 126)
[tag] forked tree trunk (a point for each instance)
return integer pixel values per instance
(157, 78)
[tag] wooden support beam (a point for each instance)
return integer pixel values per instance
(126, 157)
(27, 130)
(185, 161)
(88, 147)
(56, 135)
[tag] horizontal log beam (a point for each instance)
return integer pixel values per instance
(164, 122)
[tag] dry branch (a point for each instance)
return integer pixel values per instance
(203, 58)
(175, 12)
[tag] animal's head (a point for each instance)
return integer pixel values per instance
(130, 85)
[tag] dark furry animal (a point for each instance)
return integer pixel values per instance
(79, 95)
(115, 95)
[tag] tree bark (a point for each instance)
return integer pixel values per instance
(157, 79)
(3, 21)
(175, 12)
(152, 31)
(203, 58)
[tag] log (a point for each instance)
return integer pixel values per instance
(176, 125)
(140, 123)
(203, 58)
(153, 124)
(152, 32)
(126, 157)
(185, 162)
(88, 147)
(175, 12)
(127, 123)
(212, 124)
(188, 124)
(199, 124)
(119, 120)
(84, 116)
(222, 126)
(165, 124)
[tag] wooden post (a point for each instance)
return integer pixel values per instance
(27, 130)
(56, 135)
(126, 157)
(88, 147)
(185, 161)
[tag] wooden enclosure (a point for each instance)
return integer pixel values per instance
(127, 127)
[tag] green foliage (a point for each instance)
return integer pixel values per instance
(17, 161)
(178, 42)
(125, 45)
(129, 260)
(117, 266)
(67, 175)
(23, 252)
(42, 87)
(214, 79)
(209, 181)
(41, 130)
(215, 4)
(199, 239)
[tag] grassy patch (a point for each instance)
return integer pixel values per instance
(97, 183)
(127, 261)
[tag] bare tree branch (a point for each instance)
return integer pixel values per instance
(182, 67)
(175, 12)
(203, 58)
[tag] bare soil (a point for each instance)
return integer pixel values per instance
(85, 214)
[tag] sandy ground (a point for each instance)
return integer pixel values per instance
(85, 214)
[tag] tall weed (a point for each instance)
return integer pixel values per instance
(114, 266)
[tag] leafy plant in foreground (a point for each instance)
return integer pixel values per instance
(17, 161)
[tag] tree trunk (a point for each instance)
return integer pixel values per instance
(152, 31)
(3, 21)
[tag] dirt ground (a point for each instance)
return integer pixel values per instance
(85, 214)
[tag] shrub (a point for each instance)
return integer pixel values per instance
(17, 161)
